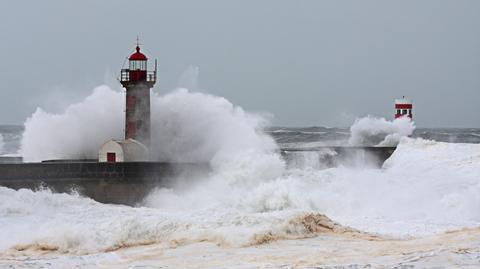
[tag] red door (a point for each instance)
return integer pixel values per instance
(111, 157)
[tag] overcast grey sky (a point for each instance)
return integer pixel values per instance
(306, 62)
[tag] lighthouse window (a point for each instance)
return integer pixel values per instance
(398, 111)
(404, 112)
(138, 65)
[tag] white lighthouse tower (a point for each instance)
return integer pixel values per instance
(138, 82)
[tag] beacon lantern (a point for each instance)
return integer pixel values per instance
(403, 107)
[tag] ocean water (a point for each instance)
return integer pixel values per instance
(328, 136)
(291, 137)
(421, 209)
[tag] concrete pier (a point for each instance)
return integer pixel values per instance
(123, 183)
(328, 156)
(129, 182)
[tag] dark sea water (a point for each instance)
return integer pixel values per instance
(293, 137)
(319, 136)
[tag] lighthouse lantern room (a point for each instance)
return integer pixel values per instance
(403, 107)
(138, 81)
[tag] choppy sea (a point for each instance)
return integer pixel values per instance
(291, 137)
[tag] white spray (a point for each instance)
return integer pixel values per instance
(194, 127)
(186, 127)
(365, 130)
(425, 187)
(78, 132)
(189, 78)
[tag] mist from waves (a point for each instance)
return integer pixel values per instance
(365, 130)
(251, 196)
(78, 132)
(419, 190)
(186, 126)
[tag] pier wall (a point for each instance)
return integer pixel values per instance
(327, 157)
(124, 183)
(129, 182)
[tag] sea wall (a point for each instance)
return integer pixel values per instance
(125, 183)
(129, 182)
(326, 157)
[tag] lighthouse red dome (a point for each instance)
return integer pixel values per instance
(138, 56)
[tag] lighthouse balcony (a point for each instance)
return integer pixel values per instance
(127, 75)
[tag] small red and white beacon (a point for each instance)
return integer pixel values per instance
(403, 107)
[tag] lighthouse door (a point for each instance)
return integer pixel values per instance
(111, 157)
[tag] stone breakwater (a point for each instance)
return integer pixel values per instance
(122, 183)
(129, 182)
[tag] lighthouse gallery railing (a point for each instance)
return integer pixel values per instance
(125, 76)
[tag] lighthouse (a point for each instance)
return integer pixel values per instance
(403, 107)
(138, 81)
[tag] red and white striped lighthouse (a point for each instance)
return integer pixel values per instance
(138, 82)
(403, 107)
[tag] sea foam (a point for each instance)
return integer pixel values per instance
(426, 187)
(250, 197)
